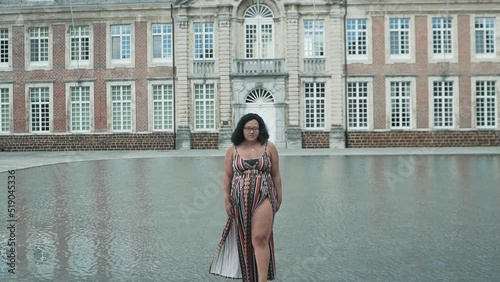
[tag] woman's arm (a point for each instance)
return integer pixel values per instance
(275, 171)
(228, 177)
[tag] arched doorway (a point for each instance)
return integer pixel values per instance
(259, 32)
(261, 102)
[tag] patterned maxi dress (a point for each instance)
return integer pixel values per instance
(251, 184)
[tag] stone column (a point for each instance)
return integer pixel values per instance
(225, 93)
(183, 134)
(334, 41)
(294, 135)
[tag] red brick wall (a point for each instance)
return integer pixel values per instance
(88, 142)
(204, 140)
(315, 140)
(423, 139)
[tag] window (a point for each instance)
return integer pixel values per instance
(356, 37)
(442, 36)
(314, 93)
(400, 92)
(486, 104)
(80, 43)
(357, 103)
(485, 36)
(4, 46)
(399, 34)
(120, 42)
(121, 107)
(204, 106)
(163, 107)
(259, 32)
(203, 40)
(39, 45)
(4, 109)
(443, 103)
(80, 108)
(162, 41)
(314, 41)
(39, 98)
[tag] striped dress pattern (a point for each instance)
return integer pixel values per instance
(251, 185)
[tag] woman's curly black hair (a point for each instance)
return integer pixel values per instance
(237, 138)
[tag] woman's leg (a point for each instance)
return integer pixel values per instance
(262, 225)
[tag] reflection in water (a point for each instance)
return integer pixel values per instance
(360, 218)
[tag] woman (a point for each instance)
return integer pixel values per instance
(252, 196)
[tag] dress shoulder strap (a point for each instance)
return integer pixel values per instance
(265, 149)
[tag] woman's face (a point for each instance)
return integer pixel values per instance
(251, 130)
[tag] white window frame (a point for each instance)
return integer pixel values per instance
(109, 86)
(316, 38)
(443, 57)
(475, 79)
(204, 34)
(370, 123)
(259, 22)
(455, 102)
(28, 87)
(361, 58)
(400, 58)
(478, 58)
(204, 127)
(151, 101)
(166, 61)
(412, 99)
(316, 102)
(7, 66)
(10, 88)
(79, 64)
(69, 107)
(41, 65)
(120, 63)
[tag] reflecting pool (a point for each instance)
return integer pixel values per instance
(343, 218)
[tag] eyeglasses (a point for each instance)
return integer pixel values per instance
(254, 129)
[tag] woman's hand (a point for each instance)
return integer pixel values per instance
(229, 209)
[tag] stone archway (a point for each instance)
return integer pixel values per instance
(261, 102)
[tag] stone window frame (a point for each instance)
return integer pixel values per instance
(69, 107)
(490, 58)
(314, 30)
(8, 65)
(193, 85)
(325, 103)
(10, 89)
(80, 64)
(31, 66)
(120, 63)
(204, 33)
(259, 22)
(440, 58)
(109, 103)
(361, 58)
(370, 121)
(151, 105)
(455, 102)
(413, 101)
(155, 62)
(473, 106)
(29, 86)
(406, 58)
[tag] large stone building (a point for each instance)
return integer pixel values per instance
(124, 74)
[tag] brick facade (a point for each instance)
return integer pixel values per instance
(88, 142)
(204, 140)
(315, 139)
(423, 139)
